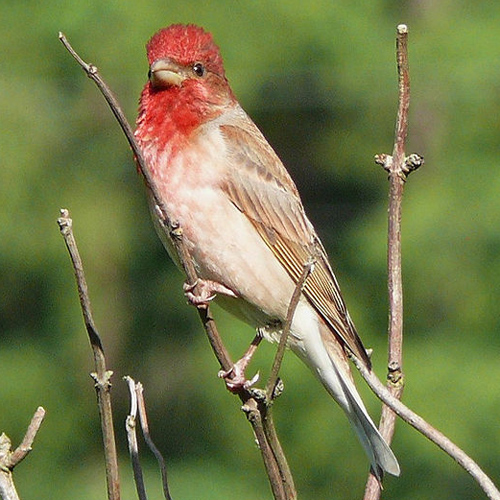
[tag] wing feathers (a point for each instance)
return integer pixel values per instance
(261, 188)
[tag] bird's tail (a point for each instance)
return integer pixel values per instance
(380, 455)
(327, 359)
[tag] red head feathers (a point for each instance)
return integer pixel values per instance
(186, 44)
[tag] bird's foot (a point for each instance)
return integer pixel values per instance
(202, 292)
(235, 377)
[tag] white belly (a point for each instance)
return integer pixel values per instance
(224, 245)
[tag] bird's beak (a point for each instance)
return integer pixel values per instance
(163, 73)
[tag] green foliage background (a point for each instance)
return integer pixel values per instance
(320, 80)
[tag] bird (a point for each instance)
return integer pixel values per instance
(243, 222)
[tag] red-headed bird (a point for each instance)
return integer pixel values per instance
(242, 218)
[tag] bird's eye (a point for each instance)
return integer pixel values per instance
(198, 69)
(149, 75)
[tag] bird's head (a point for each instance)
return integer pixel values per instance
(186, 81)
(183, 53)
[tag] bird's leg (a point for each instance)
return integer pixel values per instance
(206, 291)
(235, 377)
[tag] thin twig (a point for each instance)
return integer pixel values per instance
(289, 490)
(255, 408)
(428, 431)
(133, 447)
(292, 306)
(397, 179)
(102, 375)
(147, 437)
(24, 448)
(9, 459)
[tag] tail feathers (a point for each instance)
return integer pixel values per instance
(381, 456)
(313, 342)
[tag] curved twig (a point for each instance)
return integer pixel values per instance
(141, 406)
(133, 447)
(428, 431)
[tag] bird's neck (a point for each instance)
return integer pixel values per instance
(168, 124)
(170, 118)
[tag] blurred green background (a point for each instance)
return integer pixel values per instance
(319, 78)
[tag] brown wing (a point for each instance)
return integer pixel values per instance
(260, 187)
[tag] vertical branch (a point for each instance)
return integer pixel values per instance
(397, 178)
(395, 166)
(285, 474)
(101, 376)
(255, 409)
(399, 167)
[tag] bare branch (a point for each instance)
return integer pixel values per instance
(133, 448)
(24, 448)
(290, 493)
(102, 375)
(399, 167)
(404, 96)
(9, 459)
(395, 166)
(147, 437)
(292, 306)
(428, 431)
(396, 181)
(255, 408)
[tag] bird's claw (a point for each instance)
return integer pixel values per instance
(202, 296)
(202, 292)
(235, 379)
